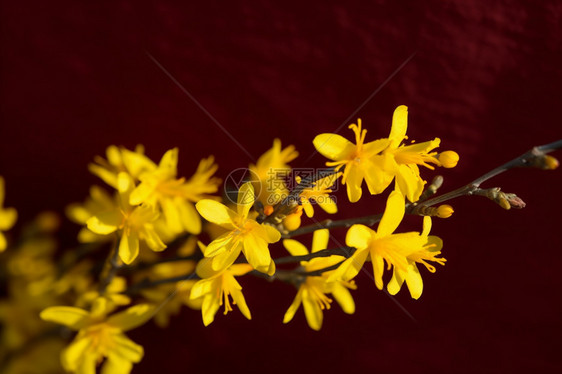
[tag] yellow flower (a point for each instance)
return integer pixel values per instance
(215, 287)
(382, 245)
(99, 337)
(134, 223)
(401, 161)
(319, 193)
(411, 275)
(111, 298)
(120, 159)
(270, 171)
(99, 201)
(8, 217)
(244, 234)
(160, 188)
(356, 158)
(312, 292)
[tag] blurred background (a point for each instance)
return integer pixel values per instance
(484, 77)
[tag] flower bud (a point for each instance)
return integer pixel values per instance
(293, 221)
(550, 163)
(449, 159)
(445, 211)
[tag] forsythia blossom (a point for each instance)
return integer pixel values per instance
(355, 158)
(397, 250)
(216, 287)
(401, 161)
(313, 289)
(133, 222)
(244, 234)
(99, 337)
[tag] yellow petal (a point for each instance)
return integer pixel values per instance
(3, 242)
(129, 247)
(202, 288)
(359, 236)
(116, 364)
(378, 269)
(240, 269)
(169, 161)
(353, 182)
(333, 146)
(328, 204)
(294, 247)
(307, 207)
(8, 217)
(409, 182)
(189, 217)
(103, 223)
(126, 348)
(227, 258)
(272, 235)
(225, 242)
(215, 212)
(132, 317)
(153, 240)
(71, 317)
(209, 308)
(320, 240)
(350, 267)
(426, 225)
(344, 298)
(172, 215)
(414, 281)
(256, 252)
(393, 214)
(73, 356)
(395, 282)
(312, 311)
(141, 193)
(246, 199)
(294, 307)
(241, 302)
(399, 126)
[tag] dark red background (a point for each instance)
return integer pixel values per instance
(485, 78)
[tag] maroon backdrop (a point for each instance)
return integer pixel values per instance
(484, 77)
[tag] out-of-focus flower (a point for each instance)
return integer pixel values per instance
(312, 291)
(162, 189)
(121, 160)
(100, 336)
(319, 193)
(270, 172)
(98, 202)
(244, 234)
(134, 223)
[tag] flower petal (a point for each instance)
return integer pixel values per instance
(71, 317)
(353, 182)
(344, 298)
(333, 146)
(399, 126)
(312, 311)
(294, 247)
(393, 214)
(132, 317)
(359, 236)
(241, 302)
(320, 240)
(129, 247)
(256, 252)
(246, 198)
(414, 281)
(215, 212)
(294, 307)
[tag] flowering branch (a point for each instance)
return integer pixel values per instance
(536, 157)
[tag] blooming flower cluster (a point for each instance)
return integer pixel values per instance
(151, 226)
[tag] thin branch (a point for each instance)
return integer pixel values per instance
(112, 265)
(533, 158)
(339, 251)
